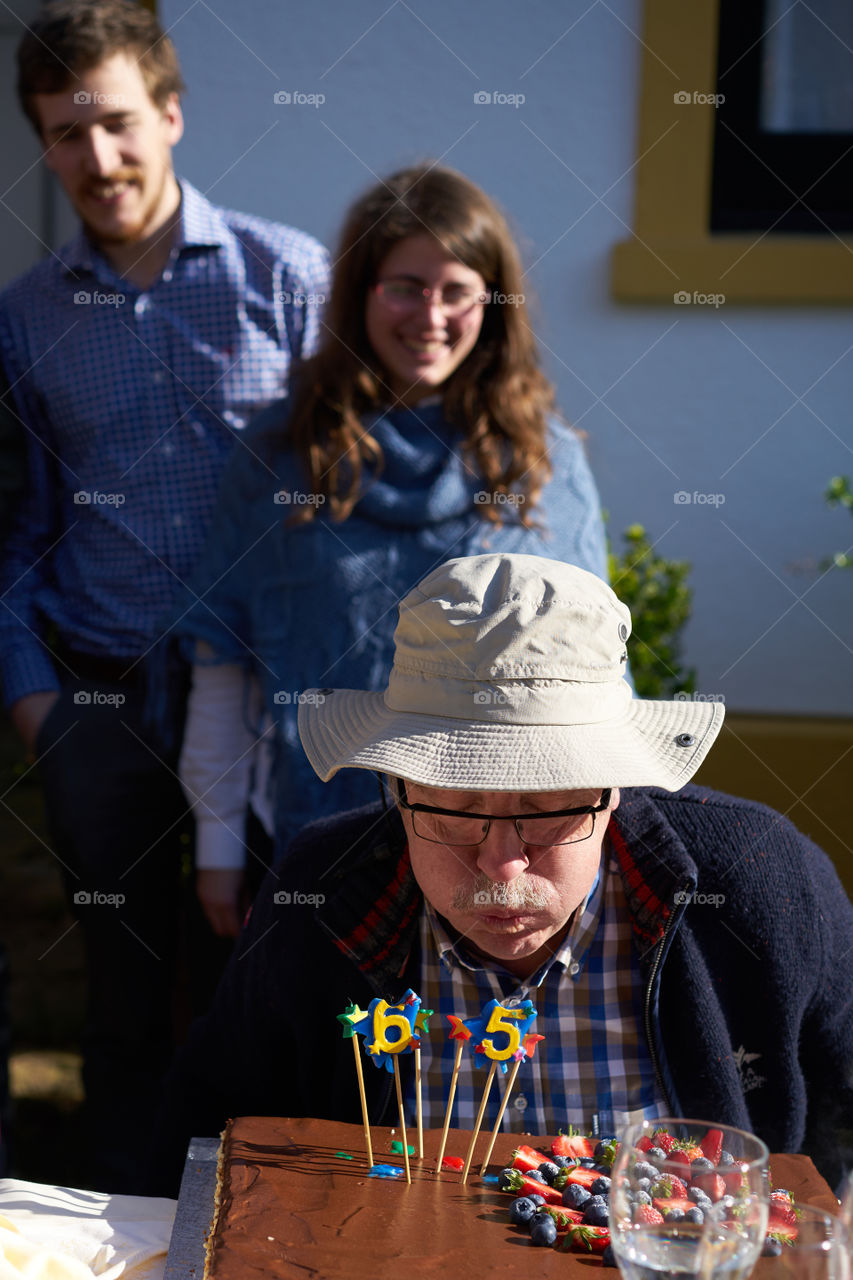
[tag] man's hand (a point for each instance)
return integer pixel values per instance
(221, 896)
(29, 714)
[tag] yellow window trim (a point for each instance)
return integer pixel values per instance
(672, 251)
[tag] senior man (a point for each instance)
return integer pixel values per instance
(687, 953)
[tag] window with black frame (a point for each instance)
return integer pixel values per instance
(783, 139)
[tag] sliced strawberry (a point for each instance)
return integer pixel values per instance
(677, 1162)
(733, 1181)
(521, 1185)
(564, 1218)
(782, 1233)
(669, 1203)
(572, 1145)
(647, 1215)
(712, 1184)
(644, 1145)
(712, 1145)
(588, 1239)
(580, 1174)
(782, 1209)
(527, 1158)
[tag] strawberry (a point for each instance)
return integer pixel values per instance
(527, 1158)
(647, 1215)
(663, 1140)
(564, 1218)
(572, 1145)
(712, 1145)
(644, 1145)
(580, 1174)
(591, 1239)
(666, 1205)
(782, 1233)
(668, 1186)
(782, 1210)
(677, 1162)
(521, 1185)
(712, 1184)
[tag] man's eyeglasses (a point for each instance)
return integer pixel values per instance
(402, 296)
(453, 826)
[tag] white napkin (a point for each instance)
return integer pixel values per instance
(59, 1233)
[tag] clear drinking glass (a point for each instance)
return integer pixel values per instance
(818, 1248)
(845, 1213)
(714, 1213)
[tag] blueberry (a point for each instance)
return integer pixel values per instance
(772, 1248)
(655, 1155)
(563, 1162)
(596, 1214)
(505, 1179)
(701, 1165)
(544, 1233)
(728, 1202)
(603, 1168)
(536, 1198)
(549, 1171)
(642, 1169)
(521, 1211)
(642, 1197)
(674, 1215)
(587, 1162)
(541, 1215)
(601, 1186)
(574, 1196)
(643, 1184)
(694, 1215)
(536, 1175)
(608, 1258)
(726, 1157)
(602, 1148)
(697, 1195)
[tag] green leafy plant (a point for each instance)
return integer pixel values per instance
(656, 592)
(839, 494)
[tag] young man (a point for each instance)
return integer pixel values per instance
(136, 355)
(687, 953)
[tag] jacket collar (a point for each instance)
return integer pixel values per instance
(653, 861)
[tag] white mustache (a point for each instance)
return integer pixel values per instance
(512, 895)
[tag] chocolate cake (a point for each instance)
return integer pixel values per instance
(291, 1203)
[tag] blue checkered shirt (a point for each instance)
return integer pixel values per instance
(592, 1070)
(131, 399)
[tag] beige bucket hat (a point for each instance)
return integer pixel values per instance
(509, 675)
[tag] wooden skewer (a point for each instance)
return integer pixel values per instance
(419, 1101)
(504, 1101)
(362, 1095)
(486, 1090)
(402, 1119)
(460, 1045)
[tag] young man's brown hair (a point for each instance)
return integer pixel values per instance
(68, 37)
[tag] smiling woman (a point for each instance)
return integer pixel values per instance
(422, 429)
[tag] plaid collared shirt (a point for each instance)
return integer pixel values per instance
(132, 399)
(592, 1070)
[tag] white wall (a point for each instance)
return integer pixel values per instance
(673, 398)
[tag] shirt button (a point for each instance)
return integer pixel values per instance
(574, 968)
(520, 1103)
(141, 306)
